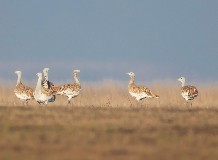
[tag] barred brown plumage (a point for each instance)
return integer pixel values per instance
(70, 90)
(24, 93)
(139, 92)
(188, 92)
(47, 85)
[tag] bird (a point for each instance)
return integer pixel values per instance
(24, 93)
(70, 90)
(47, 85)
(188, 92)
(139, 92)
(45, 82)
(41, 95)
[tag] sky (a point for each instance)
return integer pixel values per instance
(156, 39)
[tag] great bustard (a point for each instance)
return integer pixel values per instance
(24, 93)
(47, 85)
(188, 92)
(41, 95)
(70, 90)
(139, 92)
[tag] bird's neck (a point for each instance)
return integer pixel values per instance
(39, 85)
(183, 83)
(18, 79)
(76, 79)
(46, 77)
(131, 80)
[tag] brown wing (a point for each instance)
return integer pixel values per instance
(140, 89)
(20, 88)
(190, 90)
(48, 92)
(149, 92)
(75, 87)
(29, 91)
(63, 87)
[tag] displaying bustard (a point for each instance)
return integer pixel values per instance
(47, 85)
(24, 93)
(188, 92)
(139, 92)
(70, 90)
(41, 95)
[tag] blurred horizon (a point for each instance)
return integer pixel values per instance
(158, 40)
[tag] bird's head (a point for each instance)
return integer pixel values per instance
(39, 74)
(17, 72)
(76, 71)
(45, 70)
(181, 79)
(131, 74)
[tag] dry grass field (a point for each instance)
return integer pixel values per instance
(104, 122)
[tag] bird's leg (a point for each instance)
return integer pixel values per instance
(144, 103)
(158, 102)
(25, 103)
(140, 103)
(69, 102)
(185, 103)
(190, 104)
(46, 103)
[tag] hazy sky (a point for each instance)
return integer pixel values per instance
(157, 39)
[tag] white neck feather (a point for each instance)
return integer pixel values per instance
(46, 76)
(131, 80)
(18, 78)
(76, 79)
(39, 85)
(183, 83)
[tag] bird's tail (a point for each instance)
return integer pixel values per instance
(156, 96)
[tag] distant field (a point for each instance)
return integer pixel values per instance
(104, 122)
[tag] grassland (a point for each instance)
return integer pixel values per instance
(104, 122)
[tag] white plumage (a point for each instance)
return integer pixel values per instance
(41, 95)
